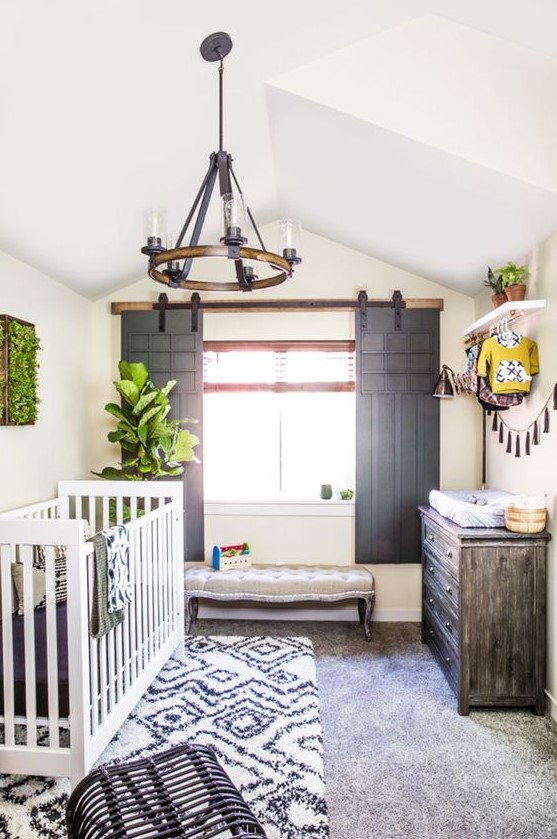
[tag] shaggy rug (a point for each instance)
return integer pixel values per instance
(253, 700)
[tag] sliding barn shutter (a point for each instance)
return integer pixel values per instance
(176, 353)
(397, 430)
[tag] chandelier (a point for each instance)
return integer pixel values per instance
(253, 267)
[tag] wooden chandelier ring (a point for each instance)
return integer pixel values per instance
(198, 251)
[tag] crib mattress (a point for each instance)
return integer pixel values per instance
(471, 508)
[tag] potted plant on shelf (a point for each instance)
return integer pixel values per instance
(495, 283)
(513, 279)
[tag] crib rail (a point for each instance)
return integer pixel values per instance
(106, 676)
(43, 510)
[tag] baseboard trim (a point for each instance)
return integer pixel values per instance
(399, 615)
(325, 612)
(552, 705)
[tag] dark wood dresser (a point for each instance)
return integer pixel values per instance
(484, 611)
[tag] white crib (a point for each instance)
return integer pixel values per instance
(107, 676)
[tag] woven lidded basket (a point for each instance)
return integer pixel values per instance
(524, 519)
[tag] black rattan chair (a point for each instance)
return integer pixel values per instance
(182, 792)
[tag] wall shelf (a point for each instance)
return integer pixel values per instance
(510, 311)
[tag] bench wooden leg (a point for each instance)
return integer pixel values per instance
(365, 608)
(190, 612)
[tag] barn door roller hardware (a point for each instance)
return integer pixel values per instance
(163, 305)
(396, 302)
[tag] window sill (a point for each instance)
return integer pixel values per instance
(290, 507)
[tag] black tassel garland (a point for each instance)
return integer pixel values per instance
(535, 439)
(527, 446)
(546, 421)
(517, 447)
(509, 443)
(501, 432)
(494, 423)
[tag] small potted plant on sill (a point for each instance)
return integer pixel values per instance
(495, 283)
(513, 279)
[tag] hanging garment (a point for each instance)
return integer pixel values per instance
(480, 387)
(509, 361)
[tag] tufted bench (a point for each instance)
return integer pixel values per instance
(282, 584)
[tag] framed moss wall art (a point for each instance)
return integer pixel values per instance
(19, 366)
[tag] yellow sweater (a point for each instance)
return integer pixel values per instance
(509, 361)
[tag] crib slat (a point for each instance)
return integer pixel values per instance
(119, 640)
(92, 513)
(52, 652)
(7, 644)
(125, 686)
(155, 589)
(149, 567)
(103, 678)
(168, 552)
(26, 556)
(105, 513)
(162, 582)
(136, 605)
(111, 684)
(93, 656)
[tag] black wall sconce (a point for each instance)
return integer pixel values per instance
(445, 386)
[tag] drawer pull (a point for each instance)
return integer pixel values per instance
(449, 590)
(448, 661)
(449, 554)
(431, 569)
(431, 538)
(431, 601)
(432, 633)
(449, 626)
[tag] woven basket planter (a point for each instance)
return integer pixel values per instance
(523, 520)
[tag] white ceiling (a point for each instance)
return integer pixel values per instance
(422, 133)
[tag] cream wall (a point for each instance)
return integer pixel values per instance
(34, 457)
(329, 270)
(536, 474)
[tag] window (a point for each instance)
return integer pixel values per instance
(278, 419)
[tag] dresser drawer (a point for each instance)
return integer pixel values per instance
(441, 615)
(440, 544)
(446, 653)
(439, 571)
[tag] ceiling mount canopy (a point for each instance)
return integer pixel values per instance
(253, 267)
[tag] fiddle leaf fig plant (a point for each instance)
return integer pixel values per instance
(154, 446)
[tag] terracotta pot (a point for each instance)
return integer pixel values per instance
(515, 292)
(498, 299)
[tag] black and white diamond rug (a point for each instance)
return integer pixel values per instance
(253, 700)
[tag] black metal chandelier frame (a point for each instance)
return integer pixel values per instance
(164, 263)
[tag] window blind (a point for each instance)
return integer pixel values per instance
(279, 366)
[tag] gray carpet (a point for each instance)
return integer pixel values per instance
(399, 761)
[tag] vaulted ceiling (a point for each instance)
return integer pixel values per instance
(420, 133)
